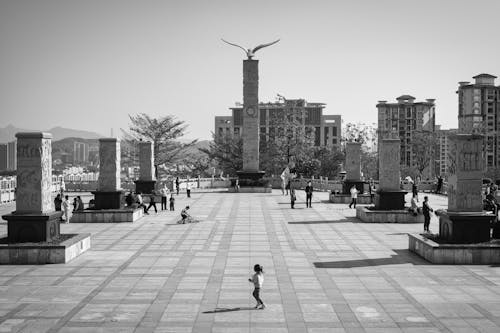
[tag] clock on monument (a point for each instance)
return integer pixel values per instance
(251, 111)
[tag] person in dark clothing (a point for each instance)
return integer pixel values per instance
(172, 202)
(177, 184)
(152, 203)
(309, 194)
(129, 199)
(426, 209)
(57, 203)
(414, 190)
(439, 185)
(292, 198)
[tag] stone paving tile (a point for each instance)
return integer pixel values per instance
(324, 272)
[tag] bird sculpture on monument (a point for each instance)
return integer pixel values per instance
(251, 52)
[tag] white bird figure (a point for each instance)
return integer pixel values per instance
(251, 52)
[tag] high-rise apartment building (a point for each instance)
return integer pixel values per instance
(12, 155)
(3, 156)
(479, 112)
(327, 128)
(80, 152)
(402, 120)
(443, 150)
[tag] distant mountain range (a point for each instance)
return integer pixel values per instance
(8, 133)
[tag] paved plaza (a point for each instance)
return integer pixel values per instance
(324, 272)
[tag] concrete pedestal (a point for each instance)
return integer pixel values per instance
(348, 183)
(251, 178)
(390, 200)
(108, 199)
(145, 186)
(465, 228)
(32, 227)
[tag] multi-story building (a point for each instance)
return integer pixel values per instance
(327, 128)
(80, 152)
(402, 119)
(479, 112)
(443, 150)
(4, 157)
(12, 155)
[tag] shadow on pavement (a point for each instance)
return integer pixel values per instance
(402, 257)
(229, 309)
(321, 222)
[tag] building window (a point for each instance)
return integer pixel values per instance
(236, 131)
(238, 117)
(334, 131)
(326, 136)
(263, 118)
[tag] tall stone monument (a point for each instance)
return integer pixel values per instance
(353, 167)
(389, 196)
(146, 182)
(109, 193)
(250, 174)
(465, 221)
(34, 219)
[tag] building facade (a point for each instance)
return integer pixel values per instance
(326, 128)
(443, 150)
(80, 152)
(479, 112)
(402, 120)
(3, 156)
(12, 155)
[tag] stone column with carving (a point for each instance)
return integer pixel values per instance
(109, 194)
(389, 196)
(34, 219)
(250, 173)
(353, 167)
(147, 180)
(465, 221)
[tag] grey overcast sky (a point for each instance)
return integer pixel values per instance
(87, 64)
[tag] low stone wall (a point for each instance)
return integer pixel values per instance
(387, 216)
(454, 254)
(107, 216)
(266, 189)
(363, 199)
(43, 253)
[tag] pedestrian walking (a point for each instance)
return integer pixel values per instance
(140, 203)
(414, 190)
(152, 203)
(414, 208)
(292, 198)
(57, 203)
(354, 196)
(188, 189)
(75, 204)
(172, 202)
(65, 207)
(164, 195)
(309, 194)
(177, 184)
(426, 209)
(237, 185)
(257, 280)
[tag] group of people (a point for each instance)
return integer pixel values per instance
(309, 192)
(178, 186)
(62, 203)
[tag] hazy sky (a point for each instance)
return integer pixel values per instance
(88, 64)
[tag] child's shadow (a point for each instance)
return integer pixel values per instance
(230, 309)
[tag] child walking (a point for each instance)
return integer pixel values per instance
(172, 202)
(257, 280)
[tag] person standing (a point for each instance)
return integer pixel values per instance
(257, 280)
(177, 184)
(414, 208)
(237, 185)
(140, 203)
(188, 189)
(172, 202)
(439, 185)
(80, 205)
(164, 195)
(57, 203)
(354, 196)
(309, 194)
(75, 204)
(65, 207)
(292, 198)
(426, 209)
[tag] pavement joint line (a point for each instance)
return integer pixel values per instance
(13, 312)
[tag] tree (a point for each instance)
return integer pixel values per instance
(330, 162)
(369, 164)
(423, 145)
(163, 132)
(227, 153)
(366, 134)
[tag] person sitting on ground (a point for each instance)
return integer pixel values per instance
(140, 203)
(185, 215)
(129, 199)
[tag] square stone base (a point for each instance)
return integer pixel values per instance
(387, 216)
(454, 254)
(107, 215)
(363, 199)
(348, 183)
(390, 200)
(465, 228)
(32, 227)
(145, 186)
(108, 200)
(44, 252)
